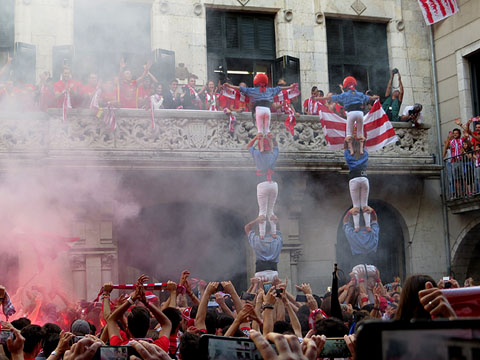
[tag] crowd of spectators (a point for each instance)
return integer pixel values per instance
(169, 324)
(462, 153)
(146, 91)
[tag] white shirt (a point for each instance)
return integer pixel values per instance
(408, 108)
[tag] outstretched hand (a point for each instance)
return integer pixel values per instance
(85, 349)
(435, 302)
(288, 346)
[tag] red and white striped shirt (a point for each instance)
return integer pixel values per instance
(455, 149)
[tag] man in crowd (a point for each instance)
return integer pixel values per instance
(394, 98)
(413, 114)
(66, 90)
(190, 98)
(453, 149)
(138, 321)
(172, 98)
(87, 90)
(310, 105)
(267, 250)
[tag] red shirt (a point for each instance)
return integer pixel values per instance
(455, 149)
(311, 106)
(162, 342)
(225, 102)
(143, 93)
(127, 94)
(60, 86)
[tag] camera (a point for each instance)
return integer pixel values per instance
(395, 71)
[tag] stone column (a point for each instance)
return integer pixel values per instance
(78, 266)
(108, 264)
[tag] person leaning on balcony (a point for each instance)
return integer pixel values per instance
(394, 98)
(190, 98)
(453, 144)
(413, 113)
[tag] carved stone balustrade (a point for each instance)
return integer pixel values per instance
(191, 139)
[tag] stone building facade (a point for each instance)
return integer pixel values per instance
(405, 179)
(457, 47)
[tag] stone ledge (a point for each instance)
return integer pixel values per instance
(188, 139)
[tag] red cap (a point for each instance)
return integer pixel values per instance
(261, 80)
(349, 82)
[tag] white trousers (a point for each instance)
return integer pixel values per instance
(352, 117)
(359, 189)
(267, 193)
(263, 116)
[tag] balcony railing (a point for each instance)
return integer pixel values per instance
(194, 139)
(463, 176)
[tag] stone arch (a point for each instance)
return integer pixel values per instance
(390, 256)
(466, 252)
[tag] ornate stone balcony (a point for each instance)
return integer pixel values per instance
(190, 139)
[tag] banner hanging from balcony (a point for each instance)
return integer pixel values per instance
(377, 128)
(437, 10)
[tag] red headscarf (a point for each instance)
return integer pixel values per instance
(349, 83)
(262, 81)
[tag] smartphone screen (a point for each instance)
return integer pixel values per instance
(4, 335)
(247, 296)
(267, 286)
(301, 298)
(113, 353)
(335, 348)
(228, 348)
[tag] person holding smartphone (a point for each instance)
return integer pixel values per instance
(267, 250)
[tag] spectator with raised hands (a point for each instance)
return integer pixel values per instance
(139, 319)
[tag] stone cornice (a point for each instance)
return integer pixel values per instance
(188, 140)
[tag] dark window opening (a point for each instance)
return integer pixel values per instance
(239, 45)
(102, 37)
(7, 34)
(474, 61)
(358, 49)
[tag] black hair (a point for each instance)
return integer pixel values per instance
(283, 327)
(51, 328)
(33, 335)
(331, 327)
(457, 129)
(189, 346)
(211, 321)
(138, 322)
(314, 88)
(175, 317)
(49, 344)
(19, 324)
(224, 320)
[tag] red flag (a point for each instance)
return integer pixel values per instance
(377, 129)
(436, 10)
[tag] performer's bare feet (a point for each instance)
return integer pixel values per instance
(261, 219)
(260, 143)
(368, 228)
(348, 139)
(367, 209)
(356, 229)
(362, 144)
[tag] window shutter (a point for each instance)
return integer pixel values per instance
(334, 43)
(265, 34)
(248, 33)
(6, 23)
(214, 31)
(231, 31)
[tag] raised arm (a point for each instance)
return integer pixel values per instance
(252, 142)
(162, 319)
(388, 91)
(202, 307)
(297, 328)
(230, 289)
(446, 144)
(250, 225)
(400, 97)
(172, 299)
(268, 309)
(188, 289)
(231, 86)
